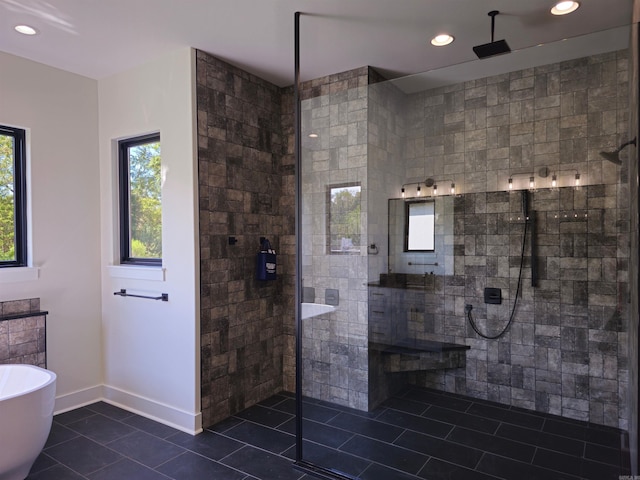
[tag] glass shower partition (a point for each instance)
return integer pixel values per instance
(472, 194)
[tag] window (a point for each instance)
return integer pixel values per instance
(13, 204)
(420, 226)
(140, 201)
(344, 218)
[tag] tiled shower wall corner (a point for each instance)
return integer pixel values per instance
(476, 133)
(22, 340)
(558, 116)
(241, 178)
(567, 349)
(335, 346)
(565, 352)
(634, 214)
(385, 172)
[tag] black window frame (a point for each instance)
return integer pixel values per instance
(124, 213)
(19, 196)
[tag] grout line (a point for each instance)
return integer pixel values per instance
(375, 418)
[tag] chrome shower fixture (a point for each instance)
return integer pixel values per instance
(431, 182)
(614, 157)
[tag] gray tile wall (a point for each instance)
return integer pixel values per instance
(23, 340)
(244, 192)
(566, 352)
(478, 133)
(334, 347)
(634, 237)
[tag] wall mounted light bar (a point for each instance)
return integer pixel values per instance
(428, 183)
(543, 173)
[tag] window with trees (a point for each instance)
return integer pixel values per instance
(343, 224)
(140, 200)
(13, 205)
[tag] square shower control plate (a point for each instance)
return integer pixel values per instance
(492, 296)
(331, 297)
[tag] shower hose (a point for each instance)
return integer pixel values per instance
(468, 307)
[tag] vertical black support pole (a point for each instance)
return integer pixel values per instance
(534, 249)
(530, 218)
(298, 280)
(493, 14)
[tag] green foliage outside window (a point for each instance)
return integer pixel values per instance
(145, 201)
(344, 219)
(7, 208)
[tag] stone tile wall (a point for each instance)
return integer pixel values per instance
(633, 417)
(566, 352)
(288, 240)
(22, 336)
(243, 193)
(385, 171)
(477, 134)
(558, 116)
(335, 353)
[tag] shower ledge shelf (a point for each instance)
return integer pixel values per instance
(309, 310)
(421, 356)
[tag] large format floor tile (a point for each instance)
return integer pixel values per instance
(418, 434)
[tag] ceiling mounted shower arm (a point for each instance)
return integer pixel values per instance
(493, 14)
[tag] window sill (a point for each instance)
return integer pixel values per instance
(154, 274)
(19, 274)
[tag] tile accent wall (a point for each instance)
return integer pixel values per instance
(23, 339)
(477, 134)
(334, 348)
(634, 238)
(245, 193)
(567, 350)
(385, 172)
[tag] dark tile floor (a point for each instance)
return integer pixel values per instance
(419, 434)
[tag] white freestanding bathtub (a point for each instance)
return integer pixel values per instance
(27, 397)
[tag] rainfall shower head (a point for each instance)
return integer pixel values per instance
(492, 48)
(614, 157)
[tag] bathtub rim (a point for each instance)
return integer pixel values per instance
(17, 366)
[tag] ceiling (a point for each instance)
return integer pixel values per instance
(98, 38)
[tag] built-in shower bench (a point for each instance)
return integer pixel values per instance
(421, 355)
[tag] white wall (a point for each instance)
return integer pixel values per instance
(151, 348)
(60, 112)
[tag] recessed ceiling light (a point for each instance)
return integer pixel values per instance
(313, 135)
(25, 29)
(563, 8)
(441, 40)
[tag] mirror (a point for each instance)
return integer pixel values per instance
(419, 226)
(421, 235)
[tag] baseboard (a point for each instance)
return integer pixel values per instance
(187, 422)
(77, 399)
(159, 412)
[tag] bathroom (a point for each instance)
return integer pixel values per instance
(242, 349)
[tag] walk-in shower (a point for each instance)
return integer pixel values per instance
(457, 311)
